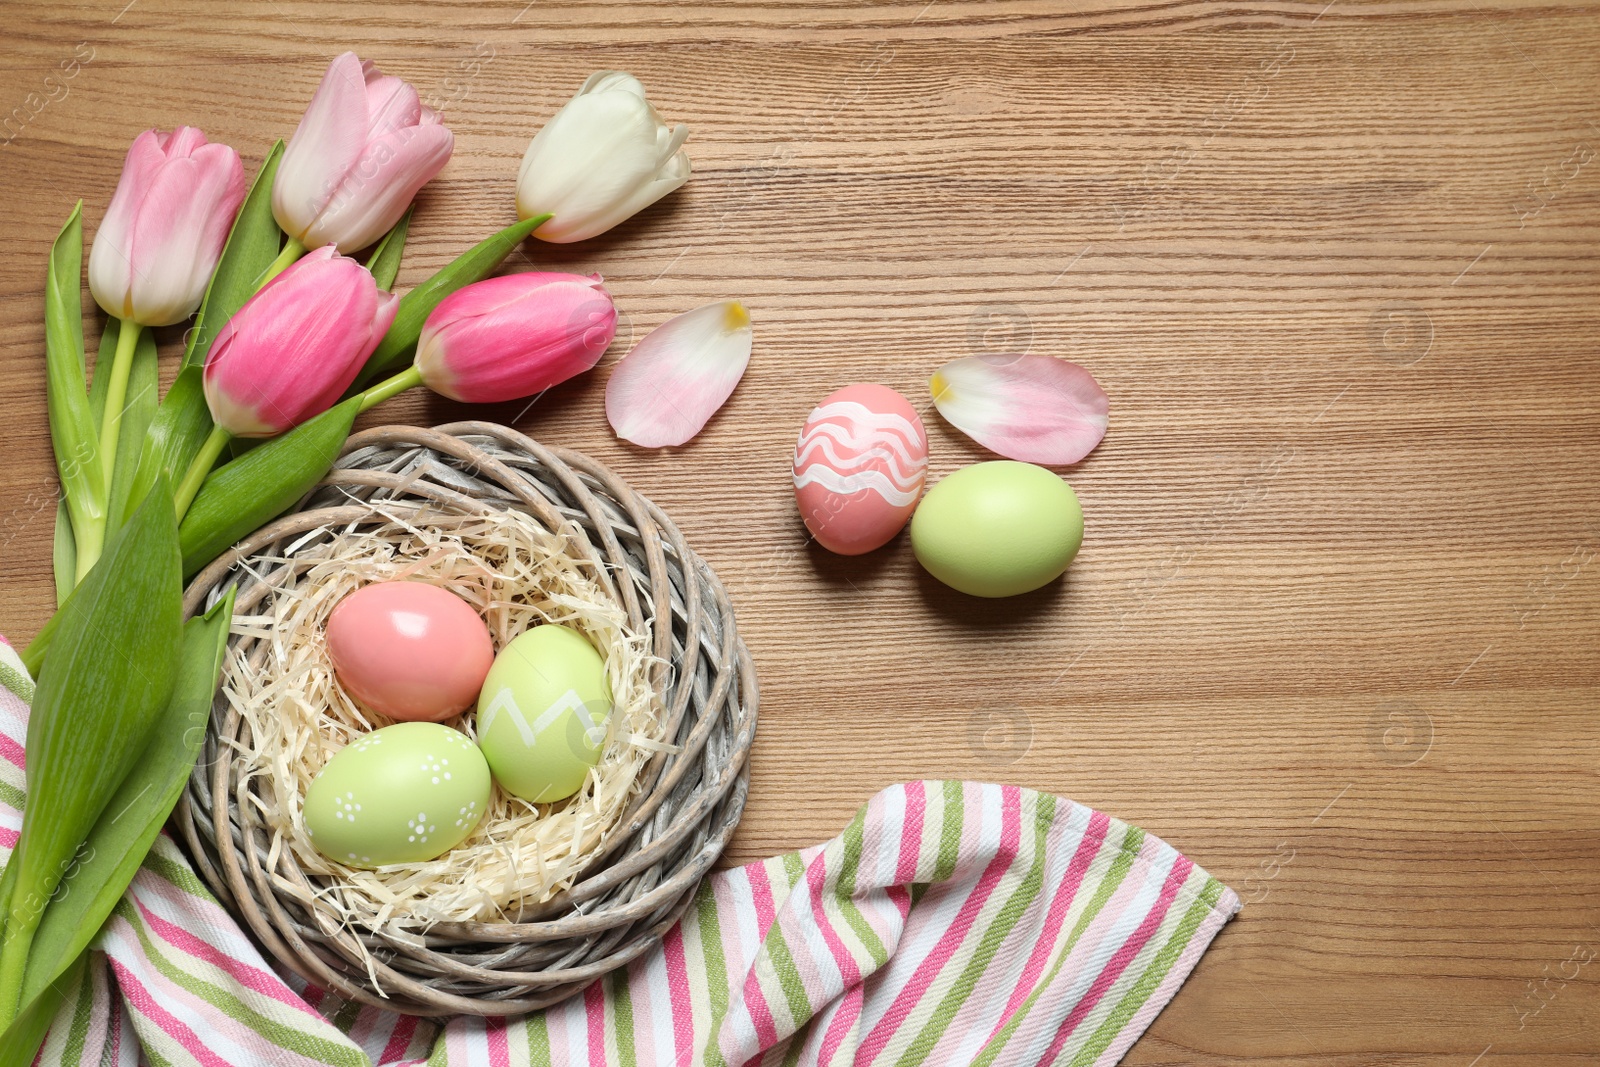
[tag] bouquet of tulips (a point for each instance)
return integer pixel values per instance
(291, 339)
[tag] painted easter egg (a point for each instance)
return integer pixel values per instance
(859, 467)
(543, 712)
(998, 529)
(403, 794)
(409, 650)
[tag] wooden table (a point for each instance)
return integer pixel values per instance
(1334, 628)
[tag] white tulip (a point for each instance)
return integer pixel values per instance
(604, 157)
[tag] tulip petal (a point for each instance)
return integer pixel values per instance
(676, 378)
(603, 81)
(601, 148)
(182, 142)
(110, 271)
(493, 294)
(1037, 409)
(296, 346)
(328, 142)
(515, 336)
(166, 227)
(392, 104)
(674, 172)
(179, 233)
(375, 192)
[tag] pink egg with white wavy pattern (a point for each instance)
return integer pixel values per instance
(859, 467)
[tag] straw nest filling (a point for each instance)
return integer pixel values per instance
(516, 574)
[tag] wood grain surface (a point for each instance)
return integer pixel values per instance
(1335, 629)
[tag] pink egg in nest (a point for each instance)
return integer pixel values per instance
(859, 467)
(409, 650)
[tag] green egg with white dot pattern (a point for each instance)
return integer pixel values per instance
(403, 794)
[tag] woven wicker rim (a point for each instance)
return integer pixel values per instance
(627, 897)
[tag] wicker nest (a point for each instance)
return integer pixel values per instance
(687, 799)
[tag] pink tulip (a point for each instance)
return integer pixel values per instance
(503, 338)
(358, 157)
(296, 346)
(166, 226)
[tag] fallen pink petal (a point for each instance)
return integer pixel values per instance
(1033, 408)
(674, 380)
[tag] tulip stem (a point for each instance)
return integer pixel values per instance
(292, 250)
(196, 474)
(89, 543)
(390, 386)
(116, 395)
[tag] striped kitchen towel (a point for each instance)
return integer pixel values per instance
(951, 923)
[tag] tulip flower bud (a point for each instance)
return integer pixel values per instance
(503, 338)
(164, 232)
(363, 149)
(296, 346)
(604, 157)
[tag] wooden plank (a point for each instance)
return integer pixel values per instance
(1334, 628)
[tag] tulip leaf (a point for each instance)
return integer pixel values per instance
(260, 485)
(177, 431)
(100, 384)
(238, 446)
(74, 433)
(128, 827)
(65, 553)
(20, 1042)
(100, 693)
(138, 408)
(33, 660)
(384, 263)
(473, 265)
(252, 246)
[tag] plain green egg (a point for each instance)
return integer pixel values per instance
(403, 794)
(998, 529)
(543, 711)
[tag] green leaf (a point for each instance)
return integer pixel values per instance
(64, 554)
(20, 1042)
(100, 384)
(238, 446)
(74, 433)
(384, 263)
(252, 246)
(128, 827)
(33, 661)
(66, 549)
(263, 483)
(100, 692)
(177, 431)
(475, 264)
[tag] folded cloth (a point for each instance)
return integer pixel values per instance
(950, 923)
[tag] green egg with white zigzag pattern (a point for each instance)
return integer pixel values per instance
(544, 713)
